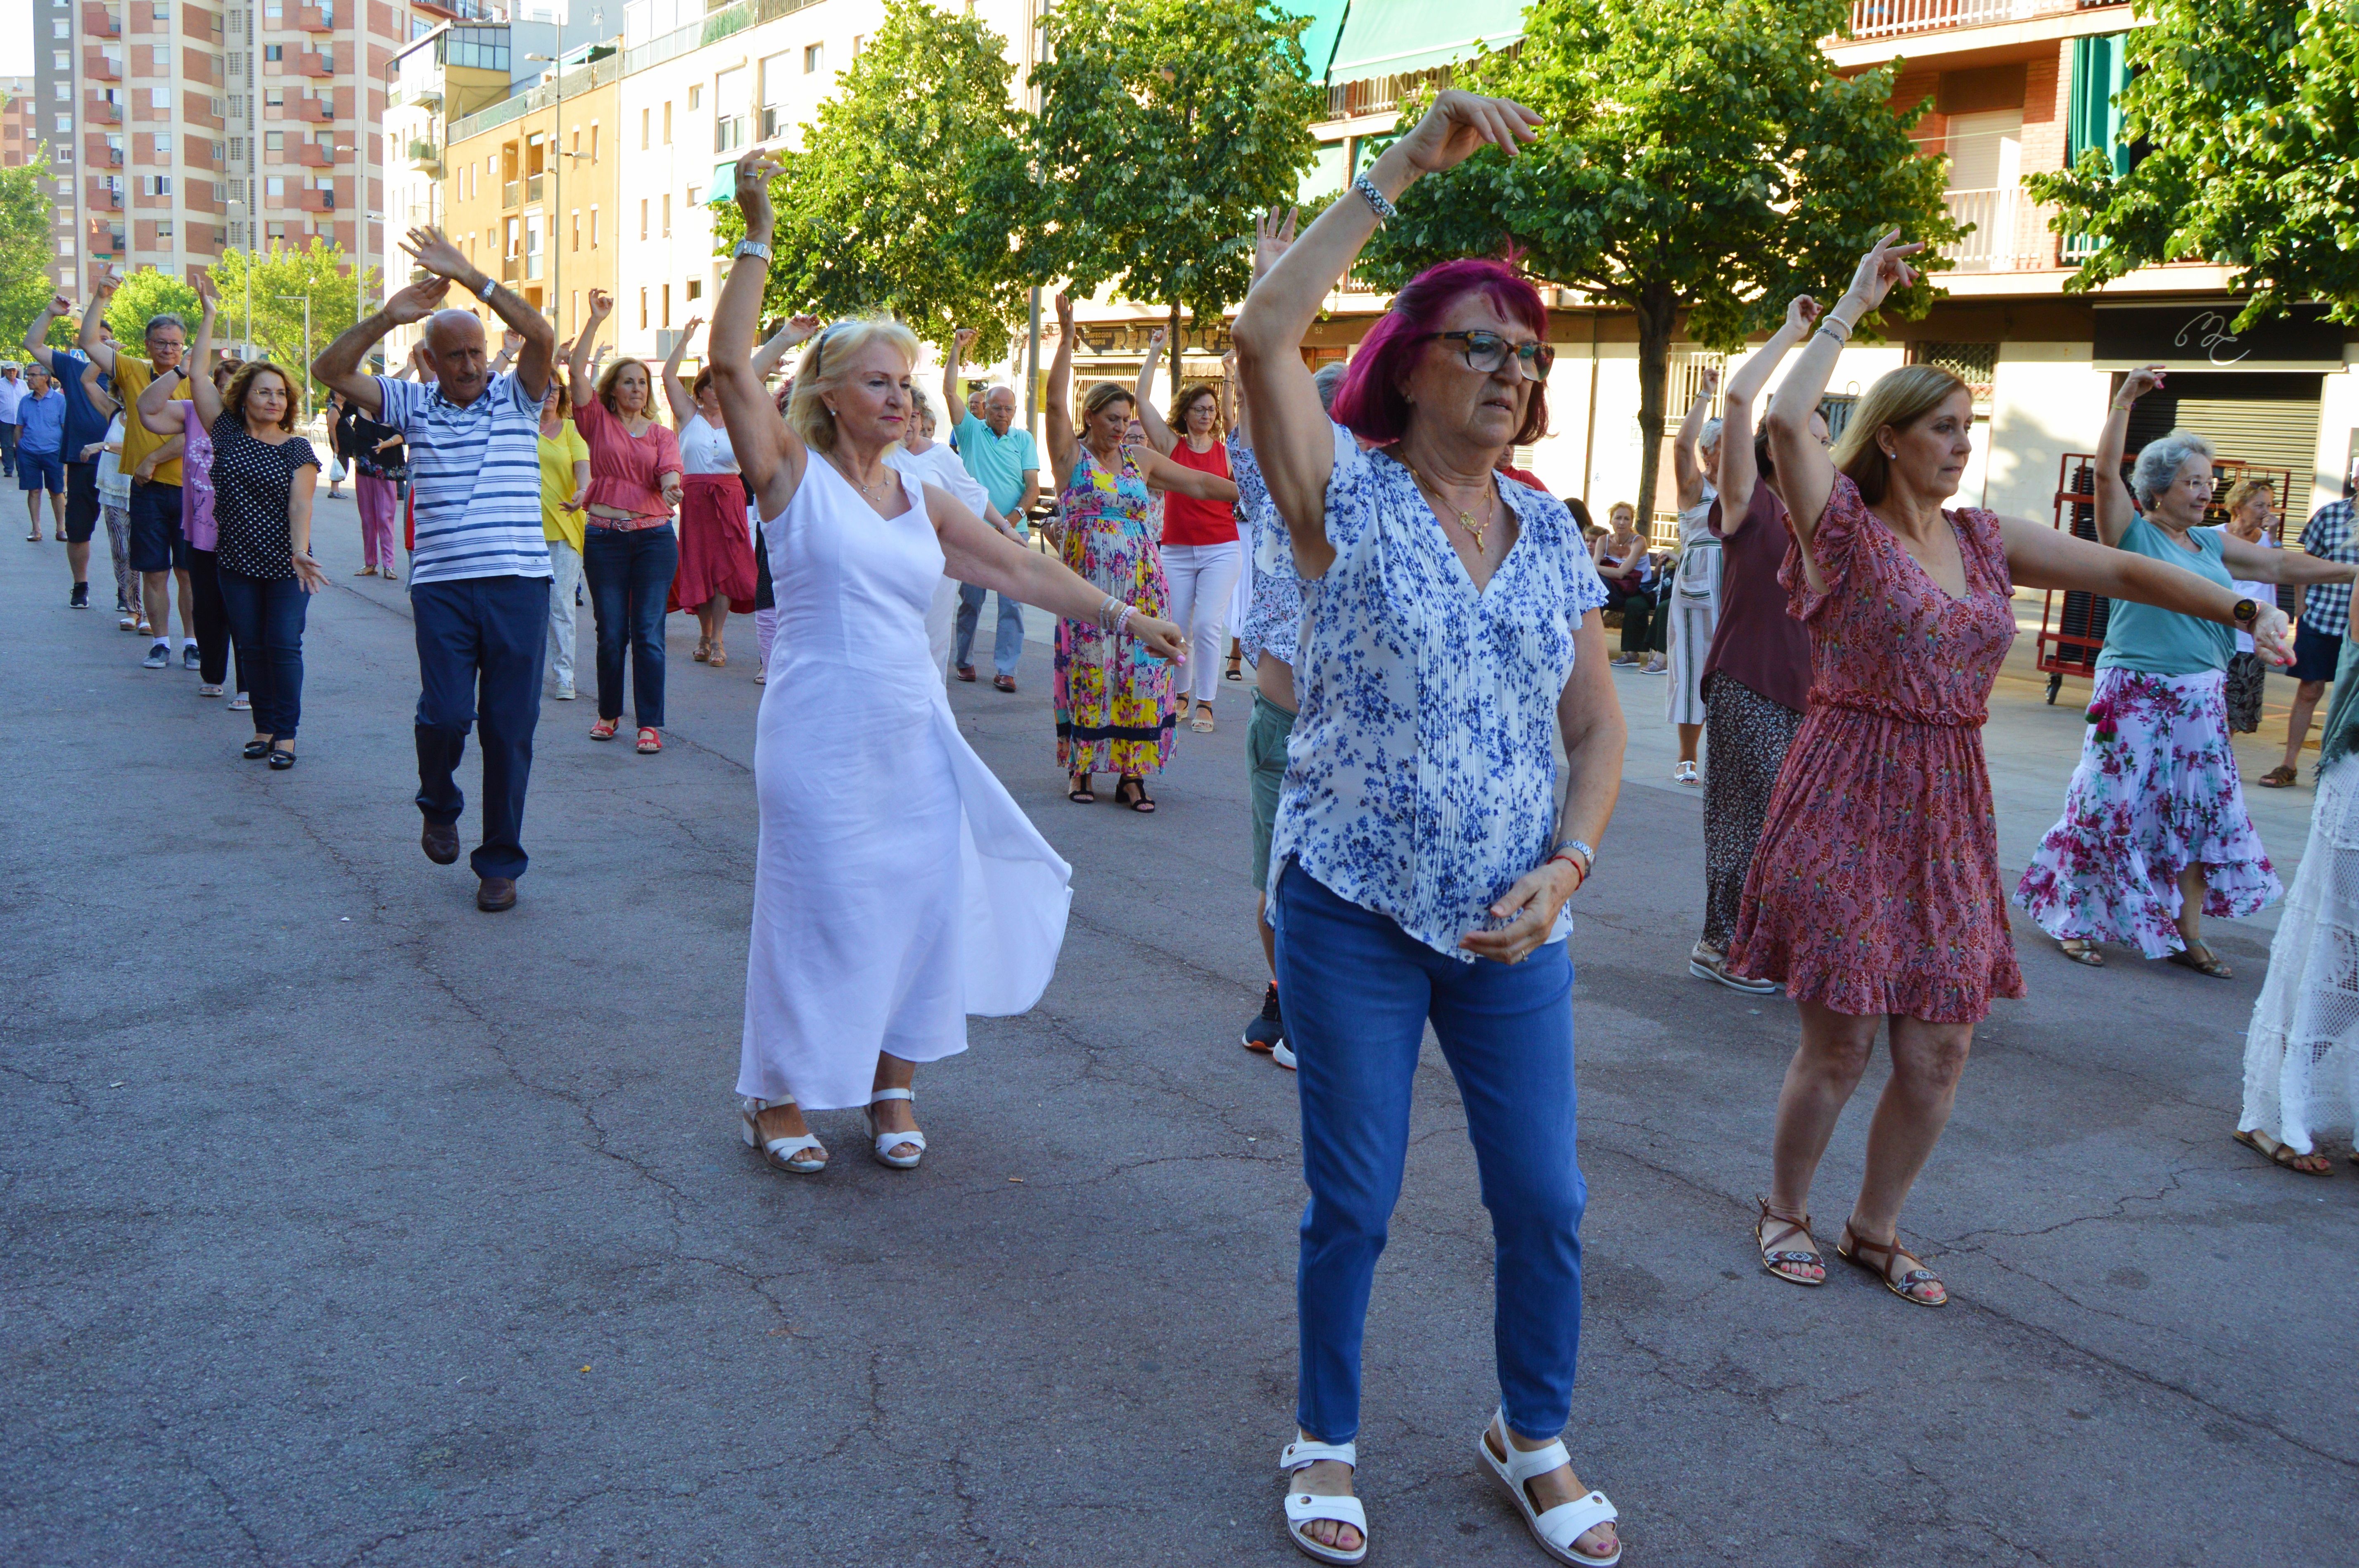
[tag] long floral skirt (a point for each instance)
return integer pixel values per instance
(1113, 698)
(2247, 680)
(2156, 791)
(1745, 739)
(2302, 1054)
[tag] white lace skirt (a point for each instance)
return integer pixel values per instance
(2301, 1056)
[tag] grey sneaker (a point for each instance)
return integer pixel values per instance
(190, 659)
(158, 656)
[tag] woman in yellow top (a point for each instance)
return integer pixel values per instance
(564, 483)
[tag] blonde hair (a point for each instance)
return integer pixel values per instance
(1897, 400)
(613, 374)
(821, 370)
(1103, 393)
(2244, 489)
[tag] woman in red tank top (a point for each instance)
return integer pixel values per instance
(1202, 557)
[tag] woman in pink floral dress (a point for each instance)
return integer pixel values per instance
(1874, 894)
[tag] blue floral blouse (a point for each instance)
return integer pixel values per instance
(1421, 779)
(1274, 608)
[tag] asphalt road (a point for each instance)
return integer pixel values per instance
(345, 1225)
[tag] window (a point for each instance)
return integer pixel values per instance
(60, 59)
(667, 305)
(274, 51)
(643, 217)
(576, 148)
(154, 185)
(273, 189)
(666, 122)
(594, 228)
(776, 72)
(514, 230)
(696, 289)
(274, 141)
(274, 97)
(859, 42)
(667, 223)
(813, 55)
(164, 232)
(159, 98)
(275, 233)
(642, 310)
(647, 125)
(594, 141)
(728, 119)
(577, 228)
(163, 141)
(695, 89)
(65, 122)
(577, 305)
(61, 28)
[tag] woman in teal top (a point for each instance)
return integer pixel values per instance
(2155, 835)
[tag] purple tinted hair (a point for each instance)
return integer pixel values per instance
(1369, 404)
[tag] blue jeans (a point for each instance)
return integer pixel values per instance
(1006, 644)
(629, 571)
(1358, 994)
(265, 623)
(479, 649)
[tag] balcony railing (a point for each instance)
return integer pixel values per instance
(426, 157)
(318, 111)
(311, 155)
(532, 186)
(317, 201)
(98, 68)
(1894, 18)
(459, 10)
(315, 18)
(98, 22)
(310, 64)
(2009, 233)
(510, 194)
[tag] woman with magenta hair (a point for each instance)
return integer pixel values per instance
(1426, 842)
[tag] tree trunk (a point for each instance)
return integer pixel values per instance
(1171, 351)
(1658, 315)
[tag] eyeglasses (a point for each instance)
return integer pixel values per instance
(1486, 352)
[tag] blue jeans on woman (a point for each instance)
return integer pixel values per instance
(266, 623)
(1358, 994)
(630, 571)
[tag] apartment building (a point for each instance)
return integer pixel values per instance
(21, 136)
(180, 129)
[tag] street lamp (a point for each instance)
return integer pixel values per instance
(306, 299)
(237, 205)
(557, 197)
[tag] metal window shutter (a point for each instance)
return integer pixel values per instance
(2267, 434)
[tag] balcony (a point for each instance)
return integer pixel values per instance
(510, 192)
(315, 200)
(425, 158)
(105, 199)
(97, 67)
(317, 111)
(106, 114)
(532, 186)
(511, 268)
(458, 10)
(311, 155)
(315, 18)
(2009, 234)
(98, 22)
(1897, 18)
(308, 63)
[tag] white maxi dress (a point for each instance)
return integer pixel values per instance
(1693, 609)
(897, 887)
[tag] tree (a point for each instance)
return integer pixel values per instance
(1165, 128)
(25, 210)
(880, 211)
(1696, 161)
(283, 278)
(2250, 114)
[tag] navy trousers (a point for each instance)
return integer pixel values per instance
(480, 645)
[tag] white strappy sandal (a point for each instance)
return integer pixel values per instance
(1556, 1529)
(1307, 1508)
(785, 1153)
(886, 1141)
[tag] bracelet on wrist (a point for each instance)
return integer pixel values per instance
(1385, 212)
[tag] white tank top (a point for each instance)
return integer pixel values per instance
(704, 448)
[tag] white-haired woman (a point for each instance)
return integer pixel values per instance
(1691, 605)
(897, 887)
(2155, 835)
(1875, 893)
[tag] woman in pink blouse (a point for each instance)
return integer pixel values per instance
(628, 550)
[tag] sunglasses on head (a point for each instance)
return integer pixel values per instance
(1486, 352)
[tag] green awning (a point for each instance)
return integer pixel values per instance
(724, 183)
(1384, 38)
(1319, 37)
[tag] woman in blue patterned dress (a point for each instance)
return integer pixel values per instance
(1426, 840)
(1113, 696)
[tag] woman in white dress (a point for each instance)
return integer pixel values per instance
(897, 889)
(1691, 608)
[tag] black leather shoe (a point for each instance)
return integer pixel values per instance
(256, 750)
(497, 893)
(440, 843)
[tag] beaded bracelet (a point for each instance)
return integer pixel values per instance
(1122, 626)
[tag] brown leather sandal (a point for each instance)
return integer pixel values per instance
(2203, 960)
(2276, 1153)
(2277, 777)
(1854, 1248)
(1779, 1262)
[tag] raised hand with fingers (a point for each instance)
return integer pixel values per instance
(1884, 269)
(1802, 312)
(1272, 236)
(755, 172)
(416, 302)
(1064, 312)
(602, 304)
(1460, 123)
(432, 250)
(964, 338)
(2138, 383)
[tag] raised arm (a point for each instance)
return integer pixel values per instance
(1806, 473)
(797, 329)
(432, 250)
(338, 365)
(95, 349)
(201, 390)
(974, 551)
(2115, 510)
(683, 407)
(159, 412)
(99, 399)
(1161, 474)
(510, 342)
(955, 405)
(1737, 472)
(1058, 404)
(769, 453)
(1160, 435)
(580, 385)
(1293, 439)
(2265, 563)
(36, 336)
(1687, 473)
(2039, 555)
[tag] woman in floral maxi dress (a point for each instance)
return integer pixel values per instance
(1114, 698)
(1876, 894)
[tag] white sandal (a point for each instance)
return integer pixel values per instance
(886, 1141)
(1560, 1527)
(782, 1152)
(1307, 1508)
(1685, 773)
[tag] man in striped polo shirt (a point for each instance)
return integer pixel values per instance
(479, 574)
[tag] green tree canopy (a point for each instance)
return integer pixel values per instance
(144, 295)
(283, 278)
(2251, 114)
(1697, 160)
(26, 208)
(880, 213)
(1164, 126)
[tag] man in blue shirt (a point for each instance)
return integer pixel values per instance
(86, 423)
(40, 436)
(12, 392)
(1006, 462)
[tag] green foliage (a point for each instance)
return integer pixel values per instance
(320, 272)
(1702, 160)
(2252, 112)
(25, 210)
(1164, 126)
(143, 295)
(890, 209)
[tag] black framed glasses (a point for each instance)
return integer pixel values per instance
(1486, 352)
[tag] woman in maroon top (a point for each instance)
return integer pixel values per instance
(1201, 555)
(628, 550)
(1757, 678)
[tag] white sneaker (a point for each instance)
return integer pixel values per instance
(565, 692)
(1283, 1057)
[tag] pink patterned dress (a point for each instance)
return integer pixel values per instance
(1875, 889)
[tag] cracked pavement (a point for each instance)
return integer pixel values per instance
(346, 1225)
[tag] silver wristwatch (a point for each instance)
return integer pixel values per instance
(484, 293)
(750, 247)
(1588, 856)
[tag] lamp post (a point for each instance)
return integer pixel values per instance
(306, 299)
(238, 205)
(557, 156)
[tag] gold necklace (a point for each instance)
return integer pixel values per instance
(885, 483)
(1475, 530)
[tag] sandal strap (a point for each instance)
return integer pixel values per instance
(881, 1096)
(1567, 1522)
(1303, 1508)
(1302, 1452)
(1522, 1463)
(888, 1141)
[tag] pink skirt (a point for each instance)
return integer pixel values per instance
(716, 552)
